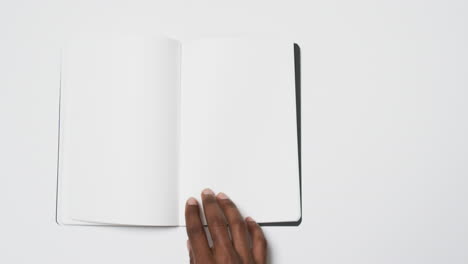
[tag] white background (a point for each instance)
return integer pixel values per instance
(385, 125)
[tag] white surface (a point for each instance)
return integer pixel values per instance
(384, 127)
(238, 125)
(118, 151)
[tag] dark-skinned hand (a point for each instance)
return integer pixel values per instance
(235, 240)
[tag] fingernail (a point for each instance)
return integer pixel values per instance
(208, 191)
(188, 245)
(192, 201)
(249, 219)
(222, 196)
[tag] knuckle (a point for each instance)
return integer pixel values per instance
(229, 257)
(218, 222)
(205, 260)
(224, 245)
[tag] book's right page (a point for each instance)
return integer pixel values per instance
(239, 126)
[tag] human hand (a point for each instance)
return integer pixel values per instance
(223, 218)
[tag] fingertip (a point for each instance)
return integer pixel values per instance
(222, 196)
(208, 191)
(192, 201)
(249, 219)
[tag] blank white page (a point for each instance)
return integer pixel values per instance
(119, 127)
(238, 126)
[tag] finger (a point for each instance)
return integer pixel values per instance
(190, 252)
(216, 221)
(195, 231)
(259, 244)
(237, 226)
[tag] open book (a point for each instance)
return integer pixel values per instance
(146, 123)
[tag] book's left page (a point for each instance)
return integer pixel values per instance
(118, 131)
